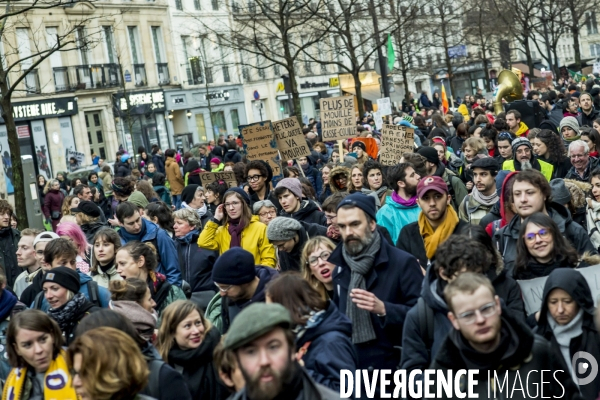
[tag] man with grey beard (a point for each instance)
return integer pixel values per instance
(375, 284)
(523, 159)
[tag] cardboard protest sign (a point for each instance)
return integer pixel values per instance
(290, 139)
(378, 118)
(209, 177)
(338, 120)
(533, 289)
(384, 106)
(260, 144)
(395, 141)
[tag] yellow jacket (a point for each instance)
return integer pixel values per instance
(254, 239)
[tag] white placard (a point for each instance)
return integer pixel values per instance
(384, 106)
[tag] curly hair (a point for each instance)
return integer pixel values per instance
(460, 253)
(556, 148)
(370, 165)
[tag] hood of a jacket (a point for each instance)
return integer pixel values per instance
(336, 171)
(192, 236)
(306, 207)
(429, 292)
(333, 321)
(169, 161)
(149, 232)
(572, 282)
(266, 275)
(83, 278)
(191, 165)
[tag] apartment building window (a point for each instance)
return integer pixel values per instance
(139, 68)
(83, 46)
(215, 5)
(590, 23)
(179, 5)
(109, 44)
(595, 49)
(197, 5)
(162, 66)
(61, 77)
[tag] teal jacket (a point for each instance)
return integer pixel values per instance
(394, 216)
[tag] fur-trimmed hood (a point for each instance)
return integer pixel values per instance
(579, 191)
(336, 171)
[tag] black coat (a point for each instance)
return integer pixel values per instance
(410, 240)
(197, 368)
(587, 120)
(572, 282)
(195, 263)
(90, 230)
(505, 239)
(9, 241)
(395, 279)
(525, 353)
(308, 212)
(170, 385)
(159, 162)
(291, 261)
(123, 170)
(232, 156)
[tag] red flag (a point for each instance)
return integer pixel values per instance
(444, 100)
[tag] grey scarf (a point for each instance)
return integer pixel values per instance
(563, 335)
(375, 194)
(483, 199)
(360, 265)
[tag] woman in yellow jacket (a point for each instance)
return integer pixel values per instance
(240, 229)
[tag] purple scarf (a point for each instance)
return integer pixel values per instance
(235, 229)
(406, 203)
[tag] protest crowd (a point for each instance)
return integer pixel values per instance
(222, 273)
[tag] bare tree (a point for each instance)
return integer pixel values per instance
(550, 26)
(18, 69)
(578, 13)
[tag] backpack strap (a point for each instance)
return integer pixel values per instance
(425, 324)
(153, 388)
(93, 293)
(37, 302)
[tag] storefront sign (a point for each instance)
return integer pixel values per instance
(334, 82)
(44, 109)
(395, 141)
(141, 102)
(313, 85)
(209, 177)
(223, 94)
(290, 139)
(280, 87)
(260, 144)
(338, 119)
(23, 132)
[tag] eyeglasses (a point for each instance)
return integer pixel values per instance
(268, 214)
(576, 156)
(324, 256)
(232, 204)
(74, 373)
(486, 311)
(253, 178)
(330, 218)
(543, 234)
(223, 290)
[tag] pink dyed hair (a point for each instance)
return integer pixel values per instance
(73, 231)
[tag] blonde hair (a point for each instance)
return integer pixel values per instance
(467, 282)
(246, 212)
(189, 216)
(171, 317)
(476, 143)
(66, 205)
(310, 246)
(113, 367)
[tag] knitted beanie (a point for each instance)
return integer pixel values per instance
(282, 229)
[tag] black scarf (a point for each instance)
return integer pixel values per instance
(68, 315)
(293, 388)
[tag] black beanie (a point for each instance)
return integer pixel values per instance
(430, 154)
(234, 267)
(239, 191)
(188, 193)
(63, 276)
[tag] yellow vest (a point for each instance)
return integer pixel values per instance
(546, 168)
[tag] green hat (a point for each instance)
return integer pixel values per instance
(138, 199)
(255, 321)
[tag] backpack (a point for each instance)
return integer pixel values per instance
(425, 314)
(94, 296)
(152, 388)
(451, 191)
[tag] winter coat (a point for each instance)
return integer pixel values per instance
(170, 384)
(593, 222)
(456, 144)
(340, 170)
(325, 193)
(104, 275)
(291, 261)
(164, 194)
(587, 175)
(253, 239)
(196, 366)
(425, 102)
(165, 295)
(103, 293)
(526, 353)
(505, 239)
(167, 255)
(83, 311)
(456, 187)
(9, 242)
(195, 262)
(572, 282)
(174, 176)
(308, 212)
(395, 278)
(471, 211)
(535, 269)
(418, 350)
(312, 174)
(588, 119)
(159, 162)
(53, 202)
(232, 156)
(394, 216)
(310, 390)
(123, 170)
(561, 168)
(411, 241)
(90, 230)
(106, 182)
(221, 310)
(329, 348)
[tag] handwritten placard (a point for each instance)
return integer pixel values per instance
(378, 118)
(384, 106)
(260, 144)
(338, 120)
(533, 289)
(207, 178)
(290, 139)
(395, 141)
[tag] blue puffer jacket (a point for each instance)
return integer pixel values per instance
(330, 347)
(394, 216)
(195, 262)
(168, 264)
(103, 293)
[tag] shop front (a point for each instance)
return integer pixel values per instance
(202, 115)
(142, 121)
(310, 90)
(44, 131)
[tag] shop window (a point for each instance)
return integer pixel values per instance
(235, 120)
(201, 126)
(218, 122)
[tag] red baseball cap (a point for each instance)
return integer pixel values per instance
(431, 183)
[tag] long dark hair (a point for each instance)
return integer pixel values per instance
(562, 248)
(556, 148)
